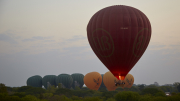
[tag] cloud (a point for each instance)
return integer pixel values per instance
(7, 38)
(76, 38)
(27, 40)
(37, 38)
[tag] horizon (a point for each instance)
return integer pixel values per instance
(50, 38)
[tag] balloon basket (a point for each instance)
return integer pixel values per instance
(120, 83)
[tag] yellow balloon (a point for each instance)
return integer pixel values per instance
(109, 81)
(129, 81)
(93, 80)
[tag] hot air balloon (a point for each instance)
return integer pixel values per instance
(129, 81)
(65, 79)
(77, 77)
(49, 79)
(102, 87)
(93, 80)
(34, 81)
(109, 81)
(119, 35)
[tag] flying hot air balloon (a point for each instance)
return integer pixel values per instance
(119, 35)
(93, 80)
(129, 81)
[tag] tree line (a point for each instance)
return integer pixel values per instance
(135, 93)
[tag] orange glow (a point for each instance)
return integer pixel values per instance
(119, 77)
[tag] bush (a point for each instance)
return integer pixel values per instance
(19, 94)
(31, 90)
(160, 94)
(62, 98)
(75, 98)
(145, 98)
(111, 99)
(151, 91)
(64, 91)
(159, 98)
(108, 94)
(47, 95)
(3, 88)
(92, 99)
(12, 98)
(127, 96)
(173, 98)
(29, 98)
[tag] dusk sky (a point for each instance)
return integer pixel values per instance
(48, 37)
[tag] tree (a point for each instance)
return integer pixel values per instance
(31, 90)
(178, 87)
(175, 84)
(134, 89)
(20, 94)
(141, 87)
(12, 98)
(47, 95)
(166, 88)
(127, 96)
(76, 98)
(59, 85)
(3, 88)
(77, 88)
(111, 99)
(159, 98)
(108, 94)
(29, 98)
(151, 91)
(146, 98)
(92, 99)
(51, 89)
(65, 91)
(162, 94)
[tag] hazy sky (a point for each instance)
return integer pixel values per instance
(48, 37)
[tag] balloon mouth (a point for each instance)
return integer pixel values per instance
(120, 77)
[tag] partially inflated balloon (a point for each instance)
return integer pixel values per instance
(49, 78)
(119, 35)
(35, 81)
(109, 81)
(129, 81)
(102, 84)
(65, 79)
(77, 77)
(93, 80)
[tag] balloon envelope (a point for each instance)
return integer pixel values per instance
(35, 81)
(65, 79)
(78, 78)
(102, 87)
(129, 81)
(109, 81)
(49, 78)
(119, 35)
(93, 80)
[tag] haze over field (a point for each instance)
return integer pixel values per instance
(49, 38)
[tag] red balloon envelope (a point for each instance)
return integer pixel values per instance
(119, 35)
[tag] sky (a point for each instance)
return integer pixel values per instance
(48, 37)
